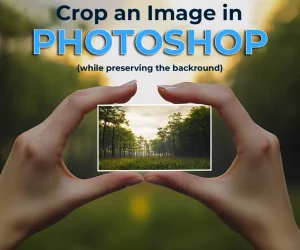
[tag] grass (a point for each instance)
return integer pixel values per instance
(154, 163)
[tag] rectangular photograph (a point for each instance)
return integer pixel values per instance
(154, 138)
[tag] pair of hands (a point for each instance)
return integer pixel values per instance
(37, 190)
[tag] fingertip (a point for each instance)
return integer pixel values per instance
(161, 90)
(168, 87)
(134, 87)
(129, 84)
(164, 93)
(130, 178)
(134, 181)
(159, 178)
(127, 91)
(156, 181)
(125, 175)
(148, 175)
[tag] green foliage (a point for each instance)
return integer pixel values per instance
(53, 16)
(185, 137)
(114, 140)
(268, 85)
(31, 88)
(14, 24)
(154, 163)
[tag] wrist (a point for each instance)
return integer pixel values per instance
(283, 239)
(10, 237)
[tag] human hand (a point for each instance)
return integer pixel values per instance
(251, 197)
(36, 188)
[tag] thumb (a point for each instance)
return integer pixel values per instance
(84, 191)
(202, 189)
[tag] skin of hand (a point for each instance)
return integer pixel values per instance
(36, 188)
(251, 197)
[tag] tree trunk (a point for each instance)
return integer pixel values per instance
(182, 146)
(103, 139)
(199, 139)
(206, 143)
(174, 145)
(113, 143)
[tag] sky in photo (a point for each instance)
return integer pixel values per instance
(145, 120)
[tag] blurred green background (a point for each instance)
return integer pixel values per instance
(148, 217)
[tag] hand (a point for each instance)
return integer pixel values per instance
(36, 188)
(251, 197)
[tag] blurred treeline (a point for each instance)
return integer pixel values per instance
(32, 87)
(268, 85)
(188, 136)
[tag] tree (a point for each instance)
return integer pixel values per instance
(267, 84)
(185, 137)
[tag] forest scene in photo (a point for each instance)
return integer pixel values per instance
(154, 137)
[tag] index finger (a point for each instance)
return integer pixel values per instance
(69, 114)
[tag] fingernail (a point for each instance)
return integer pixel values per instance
(134, 181)
(128, 84)
(156, 180)
(167, 87)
